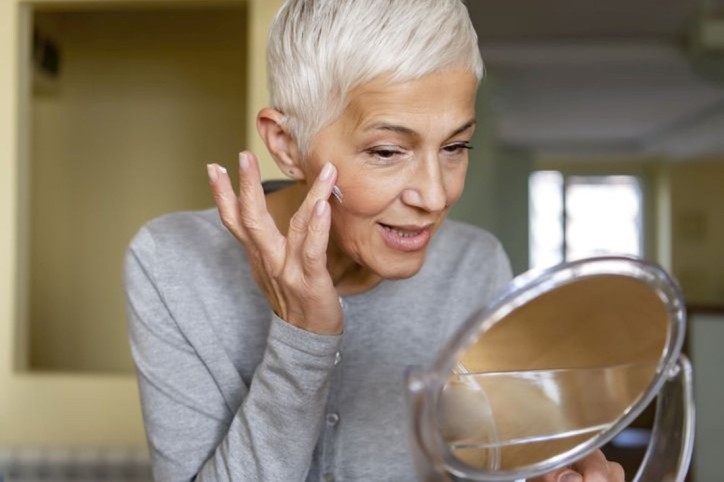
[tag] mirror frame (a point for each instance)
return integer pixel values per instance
(427, 385)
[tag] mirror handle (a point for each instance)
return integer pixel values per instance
(672, 439)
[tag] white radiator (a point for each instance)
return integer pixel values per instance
(74, 464)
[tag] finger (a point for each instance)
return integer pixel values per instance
(314, 252)
(225, 200)
(616, 471)
(320, 190)
(560, 475)
(594, 467)
(254, 218)
(569, 476)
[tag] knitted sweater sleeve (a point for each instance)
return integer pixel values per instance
(193, 433)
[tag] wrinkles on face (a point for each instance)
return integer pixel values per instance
(401, 161)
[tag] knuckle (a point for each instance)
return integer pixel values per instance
(247, 187)
(316, 228)
(250, 223)
(297, 224)
(227, 220)
(287, 276)
(314, 256)
(230, 224)
(297, 286)
(596, 476)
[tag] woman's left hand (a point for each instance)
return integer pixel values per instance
(593, 468)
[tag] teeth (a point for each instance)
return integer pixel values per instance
(401, 233)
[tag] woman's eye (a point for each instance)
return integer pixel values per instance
(457, 148)
(386, 153)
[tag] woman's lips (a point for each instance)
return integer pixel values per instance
(405, 238)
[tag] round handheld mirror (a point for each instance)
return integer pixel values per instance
(556, 367)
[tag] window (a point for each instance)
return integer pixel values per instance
(573, 217)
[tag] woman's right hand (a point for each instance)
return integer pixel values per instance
(291, 270)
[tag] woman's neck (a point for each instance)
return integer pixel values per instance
(348, 276)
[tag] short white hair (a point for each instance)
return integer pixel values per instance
(320, 50)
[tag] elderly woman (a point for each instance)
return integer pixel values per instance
(271, 346)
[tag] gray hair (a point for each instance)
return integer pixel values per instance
(320, 50)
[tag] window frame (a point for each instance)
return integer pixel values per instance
(643, 170)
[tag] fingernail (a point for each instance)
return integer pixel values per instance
(570, 476)
(213, 176)
(327, 171)
(320, 207)
(243, 162)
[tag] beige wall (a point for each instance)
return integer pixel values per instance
(71, 408)
(697, 200)
(144, 100)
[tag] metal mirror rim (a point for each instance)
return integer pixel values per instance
(528, 287)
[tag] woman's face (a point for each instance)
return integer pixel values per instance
(401, 152)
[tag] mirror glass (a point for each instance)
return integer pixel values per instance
(552, 373)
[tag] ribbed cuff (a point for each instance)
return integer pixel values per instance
(302, 340)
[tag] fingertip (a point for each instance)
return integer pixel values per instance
(214, 171)
(244, 161)
(617, 470)
(328, 170)
(211, 171)
(570, 476)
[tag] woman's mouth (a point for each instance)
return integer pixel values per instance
(405, 238)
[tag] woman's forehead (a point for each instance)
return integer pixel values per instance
(446, 97)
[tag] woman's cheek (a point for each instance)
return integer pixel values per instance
(368, 194)
(456, 182)
(361, 201)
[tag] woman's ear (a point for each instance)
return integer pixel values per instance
(280, 143)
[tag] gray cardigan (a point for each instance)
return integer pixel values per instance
(230, 392)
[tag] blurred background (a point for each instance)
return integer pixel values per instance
(601, 130)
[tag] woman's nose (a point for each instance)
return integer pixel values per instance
(426, 189)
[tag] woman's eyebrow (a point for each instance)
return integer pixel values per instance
(463, 128)
(385, 126)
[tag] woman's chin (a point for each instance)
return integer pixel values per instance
(400, 269)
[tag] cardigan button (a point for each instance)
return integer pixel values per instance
(332, 419)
